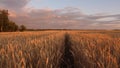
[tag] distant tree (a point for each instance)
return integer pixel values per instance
(12, 26)
(6, 25)
(116, 29)
(4, 21)
(1, 21)
(22, 28)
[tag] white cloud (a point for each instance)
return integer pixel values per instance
(14, 4)
(107, 19)
(69, 17)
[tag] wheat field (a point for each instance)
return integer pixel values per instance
(60, 49)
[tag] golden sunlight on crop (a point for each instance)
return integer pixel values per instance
(51, 49)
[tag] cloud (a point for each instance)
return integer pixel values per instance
(62, 18)
(66, 18)
(14, 4)
(107, 19)
(12, 14)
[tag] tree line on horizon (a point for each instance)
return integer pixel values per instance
(8, 26)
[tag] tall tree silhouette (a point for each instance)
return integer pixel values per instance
(7, 25)
(4, 21)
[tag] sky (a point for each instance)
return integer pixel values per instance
(64, 14)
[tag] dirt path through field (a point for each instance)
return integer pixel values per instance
(67, 59)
